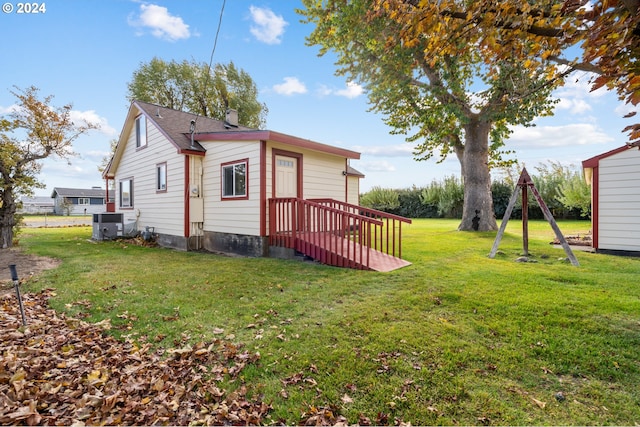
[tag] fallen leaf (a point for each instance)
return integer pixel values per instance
(540, 404)
(346, 399)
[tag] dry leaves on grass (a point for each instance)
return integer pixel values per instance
(63, 371)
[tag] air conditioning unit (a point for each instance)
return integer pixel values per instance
(107, 226)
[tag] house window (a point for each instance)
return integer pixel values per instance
(234, 179)
(161, 177)
(83, 201)
(126, 193)
(141, 131)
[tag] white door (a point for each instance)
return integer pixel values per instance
(286, 176)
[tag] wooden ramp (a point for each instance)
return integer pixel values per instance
(338, 233)
(332, 249)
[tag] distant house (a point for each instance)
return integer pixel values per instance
(36, 205)
(78, 201)
(615, 199)
(201, 183)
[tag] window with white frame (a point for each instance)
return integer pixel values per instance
(141, 131)
(161, 177)
(234, 179)
(84, 201)
(126, 193)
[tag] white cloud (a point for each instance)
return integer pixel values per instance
(8, 110)
(405, 150)
(353, 90)
(324, 90)
(268, 27)
(90, 116)
(576, 95)
(575, 106)
(291, 86)
(558, 136)
(378, 166)
(162, 24)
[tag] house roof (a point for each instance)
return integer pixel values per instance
(175, 126)
(78, 192)
(38, 200)
(354, 172)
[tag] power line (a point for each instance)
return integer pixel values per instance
(213, 50)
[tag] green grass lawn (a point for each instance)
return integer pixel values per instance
(455, 338)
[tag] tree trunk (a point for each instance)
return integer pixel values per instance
(477, 211)
(7, 219)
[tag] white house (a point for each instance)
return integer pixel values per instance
(614, 177)
(205, 183)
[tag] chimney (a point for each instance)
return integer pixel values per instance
(232, 117)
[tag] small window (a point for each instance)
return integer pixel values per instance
(161, 177)
(83, 201)
(126, 193)
(141, 132)
(234, 180)
(285, 163)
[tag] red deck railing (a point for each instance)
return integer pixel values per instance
(332, 232)
(388, 237)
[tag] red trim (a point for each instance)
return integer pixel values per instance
(593, 161)
(269, 135)
(187, 173)
(191, 152)
(595, 206)
(263, 188)
(246, 178)
(277, 152)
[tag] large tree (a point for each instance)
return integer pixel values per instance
(598, 36)
(448, 99)
(33, 131)
(197, 88)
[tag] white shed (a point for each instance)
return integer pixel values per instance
(615, 199)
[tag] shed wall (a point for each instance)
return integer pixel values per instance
(619, 201)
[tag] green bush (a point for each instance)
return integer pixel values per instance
(447, 195)
(382, 199)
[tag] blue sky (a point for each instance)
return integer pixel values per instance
(85, 52)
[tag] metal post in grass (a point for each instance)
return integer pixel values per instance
(16, 283)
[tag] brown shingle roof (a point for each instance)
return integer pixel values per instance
(176, 124)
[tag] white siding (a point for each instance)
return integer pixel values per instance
(353, 190)
(231, 216)
(162, 210)
(322, 173)
(619, 201)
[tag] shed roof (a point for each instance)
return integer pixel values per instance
(78, 192)
(590, 163)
